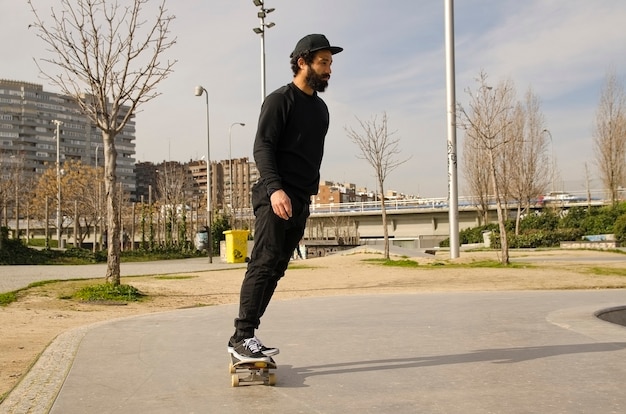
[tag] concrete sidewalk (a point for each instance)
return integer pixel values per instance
(18, 277)
(470, 352)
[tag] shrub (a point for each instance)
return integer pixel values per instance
(574, 217)
(14, 252)
(546, 220)
(542, 238)
(619, 229)
(471, 235)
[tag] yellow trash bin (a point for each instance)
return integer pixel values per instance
(236, 245)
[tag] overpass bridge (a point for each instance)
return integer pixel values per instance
(413, 223)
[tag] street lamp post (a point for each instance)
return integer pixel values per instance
(16, 178)
(230, 168)
(263, 12)
(198, 92)
(59, 219)
(453, 195)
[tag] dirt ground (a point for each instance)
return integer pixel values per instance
(30, 324)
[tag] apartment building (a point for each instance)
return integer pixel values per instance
(30, 119)
(330, 192)
(226, 194)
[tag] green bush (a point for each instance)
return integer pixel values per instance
(14, 252)
(81, 254)
(547, 220)
(619, 229)
(600, 221)
(574, 217)
(220, 225)
(472, 235)
(541, 238)
(592, 220)
(551, 226)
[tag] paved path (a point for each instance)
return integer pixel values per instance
(470, 352)
(17, 277)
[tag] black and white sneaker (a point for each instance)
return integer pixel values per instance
(265, 350)
(248, 349)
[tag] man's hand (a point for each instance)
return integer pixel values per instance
(281, 204)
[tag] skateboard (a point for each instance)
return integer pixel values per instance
(251, 373)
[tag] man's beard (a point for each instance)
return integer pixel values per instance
(315, 81)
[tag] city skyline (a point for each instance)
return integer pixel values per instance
(393, 61)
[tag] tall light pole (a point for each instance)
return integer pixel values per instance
(59, 219)
(230, 167)
(453, 196)
(198, 92)
(263, 12)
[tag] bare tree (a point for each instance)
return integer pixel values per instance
(80, 196)
(527, 155)
(609, 137)
(5, 189)
(172, 193)
(477, 177)
(107, 58)
(380, 150)
(486, 123)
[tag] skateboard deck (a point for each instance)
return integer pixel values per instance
(252, 373)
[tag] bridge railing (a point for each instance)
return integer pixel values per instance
(579, 198)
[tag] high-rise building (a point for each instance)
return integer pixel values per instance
(28, 131)
(245, 174)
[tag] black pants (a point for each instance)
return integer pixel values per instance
(274, 242)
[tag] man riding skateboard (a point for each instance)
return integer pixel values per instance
(288, 150)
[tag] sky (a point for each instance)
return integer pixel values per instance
(393, 62)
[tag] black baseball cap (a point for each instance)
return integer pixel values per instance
(313, 43)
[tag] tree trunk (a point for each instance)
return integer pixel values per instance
(384, 214)
(112, 207)
(518, 217)
(504, 244)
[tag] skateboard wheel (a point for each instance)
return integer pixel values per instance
(234, 380)
(231, 368)
(271, 379)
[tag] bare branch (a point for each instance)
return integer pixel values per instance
(609, 137)
(380, 151)
(488, 124)
(108, 59)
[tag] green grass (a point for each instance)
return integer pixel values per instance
(108, 292)
(395, 263)
(175, 277)
(607, 271)
(46, 282)
(7, 298)
(10, 297)
(490, 264)
(300, 266)
(406, 263)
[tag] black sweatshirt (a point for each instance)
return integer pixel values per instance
(289, 143)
